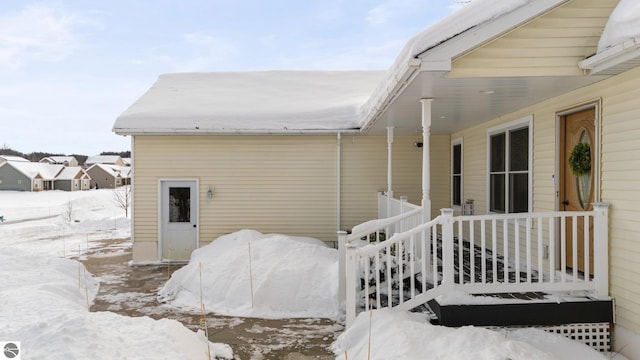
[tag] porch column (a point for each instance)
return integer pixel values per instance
(426, 160)
(601, 249)
(389, 169)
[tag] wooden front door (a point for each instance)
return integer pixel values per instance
(576, 192)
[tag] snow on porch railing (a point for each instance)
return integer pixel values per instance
(373, 231)
(509, 255)
(401, 272)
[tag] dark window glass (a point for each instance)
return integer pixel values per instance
(456, 171)
(457, 196)
(497, 152)
(497, 193)
(518, 193)
(179, 204)
(457, 159)
(519, 150)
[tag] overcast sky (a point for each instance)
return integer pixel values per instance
(68, 68)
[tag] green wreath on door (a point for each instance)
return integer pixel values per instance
(580, 159)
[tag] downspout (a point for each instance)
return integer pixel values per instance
(338, 175)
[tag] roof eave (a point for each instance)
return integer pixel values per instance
(439, 57)
(614, 60)
(151, 131)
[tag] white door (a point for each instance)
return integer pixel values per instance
(179, 219)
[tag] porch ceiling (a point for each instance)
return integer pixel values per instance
(460, 103)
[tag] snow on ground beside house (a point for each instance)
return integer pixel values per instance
(386, 334)
(45, 297)
(58, 222)
(623, 24)
(292, 277)
(44, 302)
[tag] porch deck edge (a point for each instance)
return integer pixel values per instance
(524, 314)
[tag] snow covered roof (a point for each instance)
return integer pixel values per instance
(58, 159)
(13, 158)
(70, 173)
(32, 169)
(623, 24)
(619, 45)
(250, 102)
(103, 159)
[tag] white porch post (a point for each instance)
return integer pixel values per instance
(389, 169)
(342, 272)
(601, 249)
(426, 160)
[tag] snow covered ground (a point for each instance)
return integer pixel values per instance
(45, 296)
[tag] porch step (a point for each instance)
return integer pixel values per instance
(525, 309)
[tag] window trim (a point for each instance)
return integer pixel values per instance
(455, 142)
(520, 123)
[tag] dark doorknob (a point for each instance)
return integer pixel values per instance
(194, 225)
(565, 203)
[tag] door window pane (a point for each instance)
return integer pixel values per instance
(179, 204)
(457, 186)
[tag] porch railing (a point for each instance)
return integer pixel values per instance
(477, 254)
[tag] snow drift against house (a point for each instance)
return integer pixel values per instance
(292, 277)
(246, 102)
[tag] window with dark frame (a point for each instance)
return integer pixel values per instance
(456, 175)
(509, 171)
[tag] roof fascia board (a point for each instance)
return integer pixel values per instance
(617, 54)
(137, 131)
(481, 34)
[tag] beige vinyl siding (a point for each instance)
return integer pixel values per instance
(284, 184)
(364, 173)
(619, 179)
(550, 45)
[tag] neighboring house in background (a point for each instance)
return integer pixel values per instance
(127, 161)
(72, 179)
(28, 176)
(486, 105)
(4, 158)
(104, 176)
(60, 160)
(104, 159)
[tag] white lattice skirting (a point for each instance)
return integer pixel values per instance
(595, 335)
